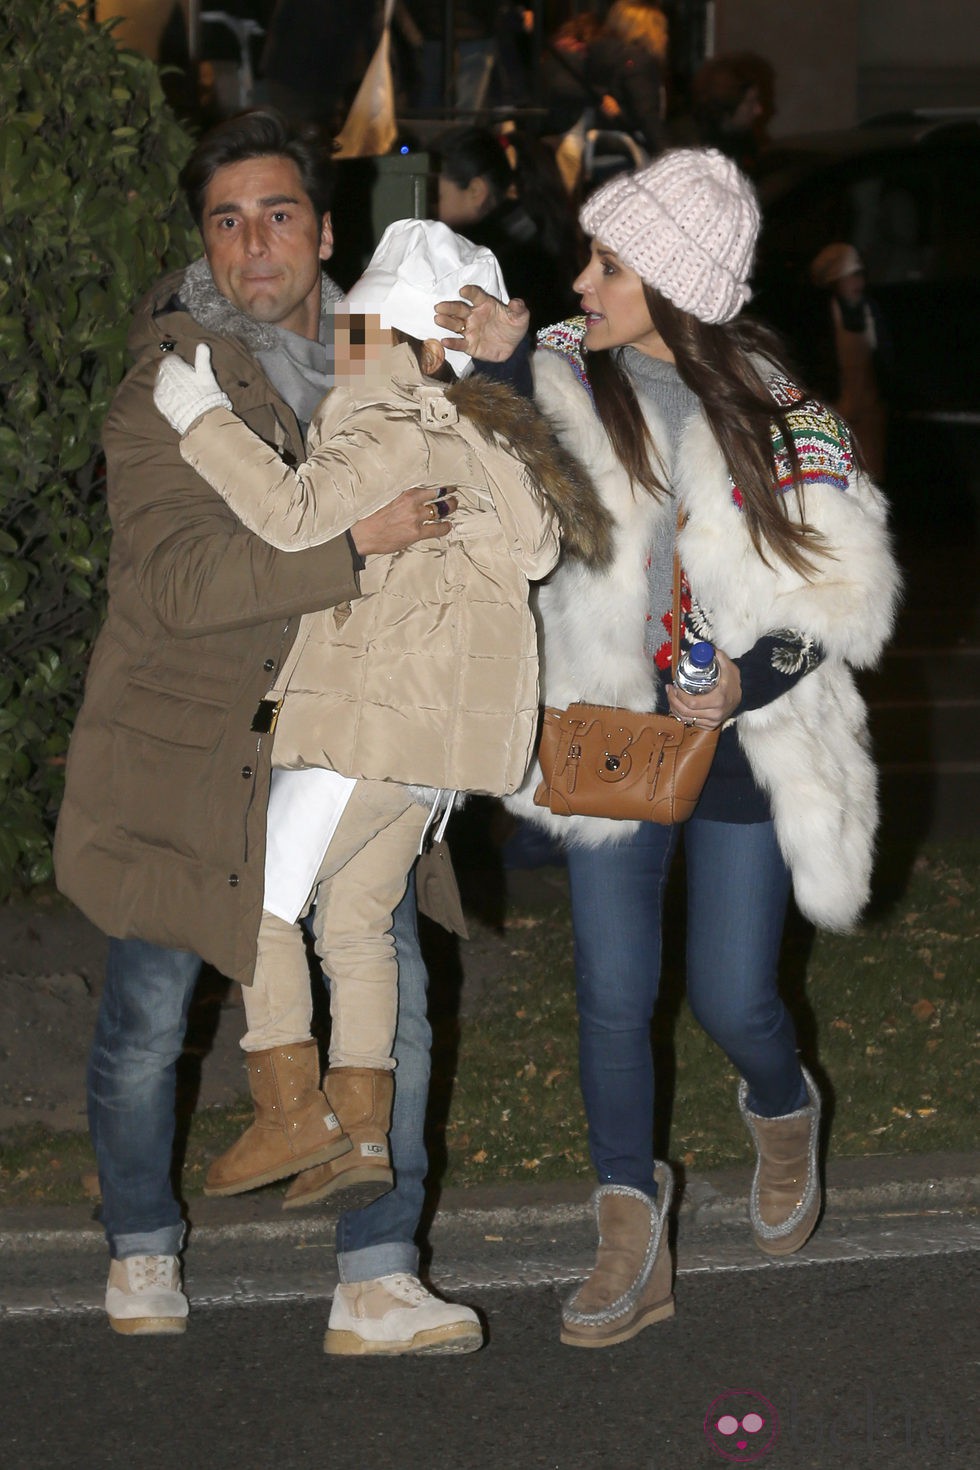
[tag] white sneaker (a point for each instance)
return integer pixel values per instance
(395, 1314)
(143, 1295)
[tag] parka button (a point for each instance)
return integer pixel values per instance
(269, 665)
(246, 772)
(233, 880)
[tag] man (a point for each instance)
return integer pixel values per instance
(161, 836)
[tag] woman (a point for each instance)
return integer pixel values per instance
(676, 407)
(626, 66)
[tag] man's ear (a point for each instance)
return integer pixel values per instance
(326, 237)
(432, 357)
(479, 192)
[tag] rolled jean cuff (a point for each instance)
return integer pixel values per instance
(166, 1241)
(378, 1260)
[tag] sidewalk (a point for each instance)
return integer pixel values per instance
(52, 1258)
(247, 1250)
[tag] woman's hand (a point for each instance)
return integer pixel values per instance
(709, 711)
(416, 515)
(489, 330)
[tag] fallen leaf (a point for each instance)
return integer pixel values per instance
(925, 1112)
(923, 1009)
(901, 1112)
(480, 1157)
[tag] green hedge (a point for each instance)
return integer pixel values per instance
(90, 216)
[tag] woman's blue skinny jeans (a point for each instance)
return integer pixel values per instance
(737, 892)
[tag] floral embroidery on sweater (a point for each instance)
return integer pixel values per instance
(822, 442)
(565, 338)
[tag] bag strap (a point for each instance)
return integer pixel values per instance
(675, 620)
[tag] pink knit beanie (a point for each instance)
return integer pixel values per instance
(687, 224)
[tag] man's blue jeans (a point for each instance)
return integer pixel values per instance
(737, 891)
(139, 1036)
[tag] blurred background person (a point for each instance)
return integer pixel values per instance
(627, 67)
(566, 92)
(850, 354)
(315, 55)
(423, 23)
(731, 105)
(506, 193)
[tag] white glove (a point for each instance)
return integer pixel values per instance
(183, 393)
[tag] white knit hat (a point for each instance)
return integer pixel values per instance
(687, 224)
(419, 262)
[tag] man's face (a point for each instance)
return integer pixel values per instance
(264, 242)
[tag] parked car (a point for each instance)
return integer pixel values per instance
(905, 190)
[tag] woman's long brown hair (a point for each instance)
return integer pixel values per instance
(715, 362)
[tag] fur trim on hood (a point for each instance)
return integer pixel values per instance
(496, 411)
(202, 299)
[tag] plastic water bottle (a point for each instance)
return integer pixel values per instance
(698, 669)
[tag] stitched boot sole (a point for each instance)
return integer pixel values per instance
(609, 1334)
(354, 1188)
(787, 1245)
(284, 1169)
(456, 1337)
(147, 1326)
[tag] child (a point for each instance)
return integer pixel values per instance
(428, 680)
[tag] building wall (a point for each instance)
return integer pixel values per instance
(918, 54)
(814, 50)
(838, 61)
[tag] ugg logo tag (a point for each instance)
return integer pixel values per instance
(331, 1121)
(373, 1150)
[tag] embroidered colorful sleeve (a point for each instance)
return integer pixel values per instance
(774, 664)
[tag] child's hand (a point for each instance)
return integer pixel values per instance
(183, 393)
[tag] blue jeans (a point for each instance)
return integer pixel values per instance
(139, 1035)
(737, 891)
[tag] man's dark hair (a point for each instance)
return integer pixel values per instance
(260, 133)
(467, 153)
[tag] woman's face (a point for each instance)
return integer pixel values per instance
(616, 312)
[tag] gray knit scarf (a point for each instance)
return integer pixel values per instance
(297, 367)
(660, 383)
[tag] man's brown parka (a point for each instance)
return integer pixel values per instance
(161, 835)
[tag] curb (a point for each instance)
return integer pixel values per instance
(880, 1185)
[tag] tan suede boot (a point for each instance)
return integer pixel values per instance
(294, 1127)
(629, 1285)
(361, 1097)
(786, 1196)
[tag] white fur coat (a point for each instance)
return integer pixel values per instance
(808, 749)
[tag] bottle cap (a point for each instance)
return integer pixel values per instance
(702, 654)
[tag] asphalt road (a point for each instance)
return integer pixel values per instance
(867, 1363)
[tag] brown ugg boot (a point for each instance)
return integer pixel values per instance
(786, 1196)
(361, 1097)
(629, 1285)
(294, 1127)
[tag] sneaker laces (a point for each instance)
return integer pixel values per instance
(408, 1288)
(147, 1273)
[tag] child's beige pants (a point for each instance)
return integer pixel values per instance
(360, 883)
